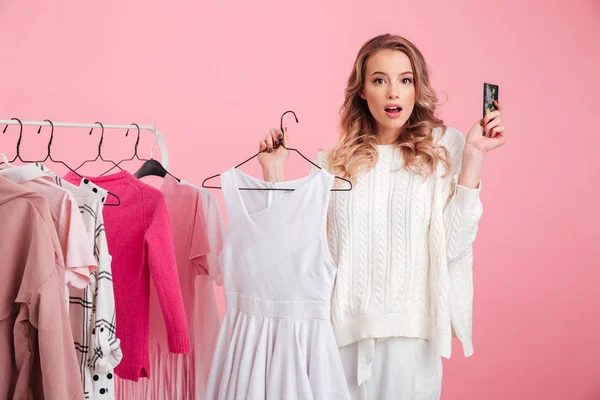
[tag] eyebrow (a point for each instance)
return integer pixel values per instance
(383, 73)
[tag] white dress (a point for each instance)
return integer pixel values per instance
(276, 340)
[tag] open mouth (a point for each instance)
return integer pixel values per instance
(393, 110)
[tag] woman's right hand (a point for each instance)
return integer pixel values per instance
(272, 156)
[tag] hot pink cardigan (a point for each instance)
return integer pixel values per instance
(139, 239)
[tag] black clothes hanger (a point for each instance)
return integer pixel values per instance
(49, 157)
(155, 168)
(151, 167)
(135, 152)
(287, 148)
(18, 155)
(99, 156)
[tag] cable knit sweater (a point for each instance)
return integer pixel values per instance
(403, 245)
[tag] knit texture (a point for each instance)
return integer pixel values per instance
(139, 238)
(403, 247)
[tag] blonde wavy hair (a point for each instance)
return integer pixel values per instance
(357, 145)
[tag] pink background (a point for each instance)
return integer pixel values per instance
(215, 76)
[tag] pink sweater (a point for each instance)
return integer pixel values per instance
(139, 239)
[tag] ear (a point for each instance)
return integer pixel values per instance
(362, 94)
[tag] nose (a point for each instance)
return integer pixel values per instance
(393, 92)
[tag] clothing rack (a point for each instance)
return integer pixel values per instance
(159, 139)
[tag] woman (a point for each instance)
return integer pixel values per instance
(402, 238)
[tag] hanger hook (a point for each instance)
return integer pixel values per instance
(101, 136)
(136, 125)
(137, 141)
(281, 121)
(20, 136)
(51, 134)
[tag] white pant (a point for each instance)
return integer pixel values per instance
(402, 369)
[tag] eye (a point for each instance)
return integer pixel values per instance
(378, 80)
(407, 79)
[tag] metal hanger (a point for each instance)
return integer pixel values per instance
(135, 152)
(287, 148)
(99, 156)
(49, 157)
(152, 167)
(18, 155)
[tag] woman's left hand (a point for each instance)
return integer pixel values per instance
(487, 133)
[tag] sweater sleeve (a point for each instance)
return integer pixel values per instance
(462, 213)
(160, 254)
(463, 208)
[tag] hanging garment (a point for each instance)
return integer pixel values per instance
(139, 237)
(403, 369)
(92, 309)
(173, 375)
(206, 319)
(276, 340)
(215, 230)
(37, 357)
(78, 256)
(403, 246)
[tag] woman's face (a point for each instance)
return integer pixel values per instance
(389, 90)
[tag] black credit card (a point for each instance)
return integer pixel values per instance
(490, 93)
